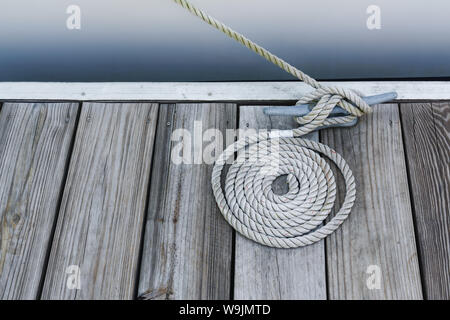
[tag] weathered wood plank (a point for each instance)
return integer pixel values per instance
(34, 149)
(379, 231)
(102, 211)
(188, 245)
(210, 91)
(269, 273)
(426, 130)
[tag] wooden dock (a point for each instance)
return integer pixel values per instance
(92, 185)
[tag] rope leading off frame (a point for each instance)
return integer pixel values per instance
(247, 201)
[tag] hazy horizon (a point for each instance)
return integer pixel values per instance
(159, 41)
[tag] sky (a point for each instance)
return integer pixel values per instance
(156, 40)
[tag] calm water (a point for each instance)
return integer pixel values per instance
(155, 40)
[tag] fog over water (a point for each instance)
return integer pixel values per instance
(156, 40)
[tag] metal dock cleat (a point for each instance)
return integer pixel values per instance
(304, 109)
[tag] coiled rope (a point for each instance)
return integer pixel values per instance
(247, 201)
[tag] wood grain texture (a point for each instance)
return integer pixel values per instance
(240, 92)
(188, 244)
(34, 149)
(379, 231)
(102, 211)
(426, 130)
(270, 273)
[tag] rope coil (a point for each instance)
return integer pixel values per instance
(247, 201)
(284, 221)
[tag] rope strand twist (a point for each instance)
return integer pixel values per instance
(247, 200)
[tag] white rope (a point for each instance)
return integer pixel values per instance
(247, 201)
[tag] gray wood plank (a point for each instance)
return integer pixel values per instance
(188, 245)
(269, 273)
(426, 130)
(102, 212)
(35, 141)
(379, 231)
(240, 92)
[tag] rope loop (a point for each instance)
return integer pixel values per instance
(326, 98)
